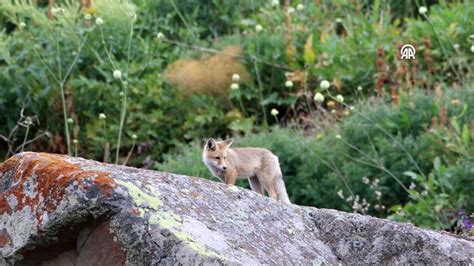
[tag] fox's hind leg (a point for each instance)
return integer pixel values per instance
(255, 185)
(269, 186)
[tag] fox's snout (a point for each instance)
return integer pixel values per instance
(222, 165)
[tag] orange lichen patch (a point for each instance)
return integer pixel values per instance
(104, 183)
(41, 180)
(4, 206)
(4, 238)
(8, 164)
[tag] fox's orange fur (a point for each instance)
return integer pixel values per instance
(259, 165)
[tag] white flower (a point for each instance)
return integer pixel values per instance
(134, 137)
(456, 46)
(333, 111)
(351, 108)
(291, 10)
(160, 36)
(234, 86)
(28, 121)
(274, 112)
(472, 48)
(412, 186)
(70, 120)
(117, 74)
(300, 7)
(289, 84)
(338, 136)
(325, 85)
(75, 141)
(471, 37)
(378, 194)
(359, 88)
(365, 180)
(235, 77)
(22, 25)
(318, 97)
(87, 16)
(99, 21)
(102, 116)
(339, 20)
(340, 194)
(376, 182)
(339, 98)
(258, 28)
(57, 11)
(275, 3)
(422, 10)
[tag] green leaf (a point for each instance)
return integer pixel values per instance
(309, 54)
(464, 110)
(437, 164)
(455, 124)
(411, 174)
(465, 135)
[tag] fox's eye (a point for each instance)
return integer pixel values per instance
(218, 158)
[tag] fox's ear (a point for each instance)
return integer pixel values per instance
(211, 144)
(228, 142)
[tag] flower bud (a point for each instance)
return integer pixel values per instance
(324, 85)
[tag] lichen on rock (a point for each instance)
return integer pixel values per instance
(54, 208)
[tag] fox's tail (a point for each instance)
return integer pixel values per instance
(281, 190)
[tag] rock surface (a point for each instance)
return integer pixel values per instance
(58, 210)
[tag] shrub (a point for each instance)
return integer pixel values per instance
(362, 164)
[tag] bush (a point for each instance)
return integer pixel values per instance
(364, 164)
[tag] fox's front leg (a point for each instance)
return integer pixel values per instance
(230, 177)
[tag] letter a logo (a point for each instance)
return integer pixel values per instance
(407, 52)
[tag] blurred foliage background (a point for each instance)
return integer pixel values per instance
(391, 138)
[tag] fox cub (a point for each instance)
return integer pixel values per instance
(260, 166)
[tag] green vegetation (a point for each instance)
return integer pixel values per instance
(320, 83)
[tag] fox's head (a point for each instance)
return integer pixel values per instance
(215, 153)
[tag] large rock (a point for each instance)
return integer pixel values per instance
(58, 210)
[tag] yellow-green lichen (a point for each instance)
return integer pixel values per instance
(233, 188)
(200, 249)
(164, 219)
(173, 222)
(140, 197)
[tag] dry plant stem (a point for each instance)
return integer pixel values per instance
(129, 153)
(26, 137)
(123, 112)
(46, 133)
(107, 145)
(61, 80)
(63, 98)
